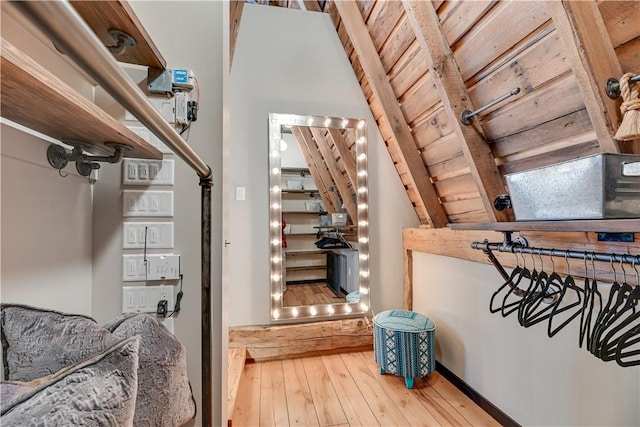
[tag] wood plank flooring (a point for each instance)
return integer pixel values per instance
(347, 390)
(310, 294)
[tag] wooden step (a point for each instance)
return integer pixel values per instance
(237, 358)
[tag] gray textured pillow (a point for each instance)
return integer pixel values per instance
(37, 342)
(100, 391)
(164, 392)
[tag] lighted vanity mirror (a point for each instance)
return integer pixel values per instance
(319, 222)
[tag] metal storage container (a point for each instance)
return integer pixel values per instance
(602, 186)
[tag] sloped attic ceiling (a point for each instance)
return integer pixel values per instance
(421, 63)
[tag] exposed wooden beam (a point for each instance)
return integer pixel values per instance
(345, 154)
(402, 139)
(341, 185)
(235, 12)
(455, 99)
(310, 5)
(318, 170)
(593, 60)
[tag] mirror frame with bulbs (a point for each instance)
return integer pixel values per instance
(319, 311)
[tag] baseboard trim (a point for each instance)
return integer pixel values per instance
(487, 406)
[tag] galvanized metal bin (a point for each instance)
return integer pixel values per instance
(602, 186)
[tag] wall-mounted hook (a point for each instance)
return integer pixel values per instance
(59, 157)
(612, 86)
(466, 117)
(123, 41)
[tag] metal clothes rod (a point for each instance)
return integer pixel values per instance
(70, 33)
(60, 21)
(596, 256)
(612, 86)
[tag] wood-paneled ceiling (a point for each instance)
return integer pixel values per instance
(421, 63)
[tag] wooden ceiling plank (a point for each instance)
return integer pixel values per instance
(402, 137)
(345, 154)
(593, 60)
(454, 96)
(235, 12)
(318, 171)
(342, 186)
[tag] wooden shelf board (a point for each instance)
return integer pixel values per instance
(309, 191)
(304, 212)
(304, 253)
(594, 225)
(102, 16)
(305, 268)
(37, 99)
(301, 234)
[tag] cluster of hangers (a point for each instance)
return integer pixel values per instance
(609, 326)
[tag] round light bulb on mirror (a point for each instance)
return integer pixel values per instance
(275, 171)
(362, 206)
(345, 122)
(275, 189)
(362, 140)
(275, 206)
(363, 223)
(276, 224)
(363, 239)
(310, 121)
(275, 242)
(275, 153)
(276, 260)
(347, 309)
(275, 277)
(362, 190)
(331, 310)
(364, 257)
(327, 122)
(362, 173)
(294, 312)
(276, 314)
(276, 297)
(364, 307)
(362, 156)
(364, 291)
(364, 273)
(313, 311)
(361, 124)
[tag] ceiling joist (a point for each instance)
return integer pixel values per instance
(593, 60)
(401, 139)
(345, 154)
(341, 185)
(455, 99)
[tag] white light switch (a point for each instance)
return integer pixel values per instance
(240, 193)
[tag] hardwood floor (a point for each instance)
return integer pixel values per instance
(310, 294)
(347, 390)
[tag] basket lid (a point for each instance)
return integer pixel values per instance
(404, 321)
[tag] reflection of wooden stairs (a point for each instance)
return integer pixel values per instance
(237, 358)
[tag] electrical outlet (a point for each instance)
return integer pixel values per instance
(159, 267)
(158, 235)
(146, 134)
(147, 172)
(147, 203)
(144, 299)
(164, 106)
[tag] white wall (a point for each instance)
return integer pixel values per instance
(291, 61)
(46, 219)
(535, 379)
(198, 47)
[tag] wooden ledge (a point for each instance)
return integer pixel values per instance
(102, 16)
(34, 97)
(594, 225)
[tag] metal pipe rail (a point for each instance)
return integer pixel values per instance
(69, 32)
(595, 256)
(60, 22)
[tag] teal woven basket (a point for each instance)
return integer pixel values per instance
(403, 344)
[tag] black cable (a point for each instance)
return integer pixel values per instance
(146, 269)
(177, 308)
